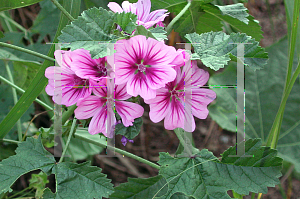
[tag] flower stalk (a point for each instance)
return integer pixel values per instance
(27, 51)
(22, 91)
(120, 151)
(73, 128)
(63, 10)
(169, 27)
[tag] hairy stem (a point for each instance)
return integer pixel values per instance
(15, 98)
(27, 51)
(68, 114)
(63, 10)
(275, 130)
(120, 151)
(69, 139)
(169, 27)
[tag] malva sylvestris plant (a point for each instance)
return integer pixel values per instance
(102, 88)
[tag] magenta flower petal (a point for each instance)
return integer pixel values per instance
(63, 84)
(138, 86)
(98, 124)
(115, 7)
(88, 107)
(175, 115)
(142, 10)
(144, 64)
(121, 93)
(159, 105)
(129, 111)
(64, 60)
(88, 68)
(129, 7)
(182, 98)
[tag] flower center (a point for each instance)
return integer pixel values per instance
(110, 101)
(80, 83)
(177, 94)
(141, 67)
(101, 70)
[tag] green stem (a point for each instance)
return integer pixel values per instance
(63, 10)
(169, 27)
(66, 115)
(120, 151)
(14, 23)
(27, 51)
(15, 98)
(10, 141)
(273, 142)
(20, 192)
(275, 130)
(252, 195)
(68, 141)
(22, 91)
(182, 141)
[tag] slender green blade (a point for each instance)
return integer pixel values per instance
(40, 81)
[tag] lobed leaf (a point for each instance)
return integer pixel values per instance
(127, 21)
(214, 49)
(131, 131)
(204, 17)
(91, 31)
(30, 155)
(79, 181)
(204, 176)
(137, 188)
(263, 92)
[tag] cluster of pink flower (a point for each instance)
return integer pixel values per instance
(166, 79)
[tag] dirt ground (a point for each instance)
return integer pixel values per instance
(154, 138)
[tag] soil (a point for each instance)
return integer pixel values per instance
(153, 137)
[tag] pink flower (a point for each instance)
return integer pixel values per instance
(144, 65)
(69, 87)
(88, 68)
(142, 10)
(101, 108)
(182, 98)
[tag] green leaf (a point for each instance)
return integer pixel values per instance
(204, 176)
(93, 27)
(40, 81)
(13, 4)
(127, 21)
(179, 195)
(137, 188)
(214, 49)
(30, 155)
(131, 131)
(263, 92)
(203, 17)
(38, 182)
(237, 11)
(1, 34)
(236, 19)
(157, 33)
(47, 21)
(80, 150)
(79, 181)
